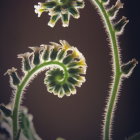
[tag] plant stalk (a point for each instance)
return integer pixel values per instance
(110, 107)
(21, 88)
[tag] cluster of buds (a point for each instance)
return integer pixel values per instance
(112, 12)
(67, 66)
(58, 82)
(60, 9)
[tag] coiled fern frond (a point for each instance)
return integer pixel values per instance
(66, 68)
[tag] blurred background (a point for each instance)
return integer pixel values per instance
(77, 117)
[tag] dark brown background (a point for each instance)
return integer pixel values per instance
(78, 117)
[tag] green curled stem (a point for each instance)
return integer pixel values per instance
(67, 69)
(22, 86)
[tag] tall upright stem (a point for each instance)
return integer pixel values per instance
(117, 72)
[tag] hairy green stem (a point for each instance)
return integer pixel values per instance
(22, 86)
(117, 71)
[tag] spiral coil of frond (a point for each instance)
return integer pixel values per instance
(66, 65)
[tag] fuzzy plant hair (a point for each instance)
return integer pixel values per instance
(120, 70)
(66, 69)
